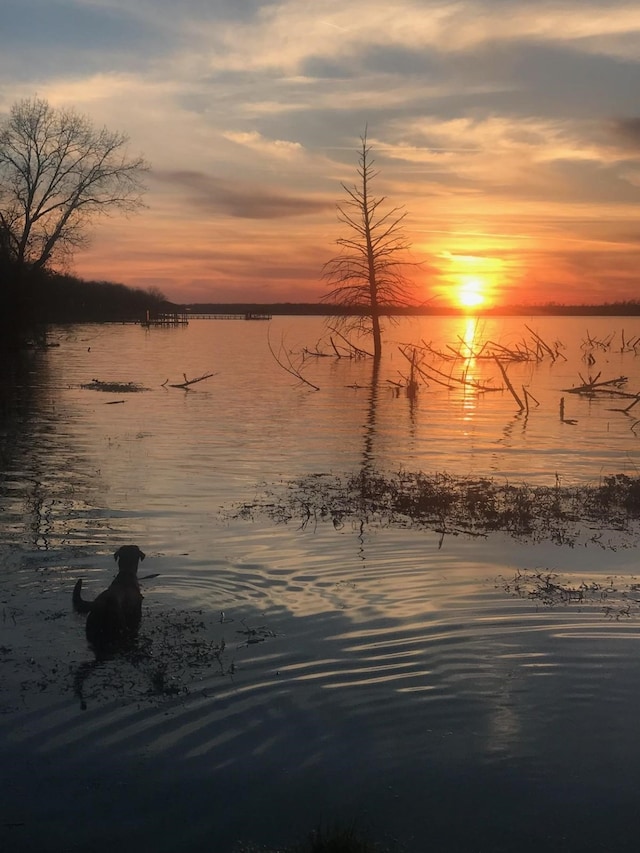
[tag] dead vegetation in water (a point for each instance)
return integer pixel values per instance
(113, 387)
(617, 598)
(340, 838)
(187, 383)
(134, 387)
(451, 367)
(606, 514)
(179, 653)
(175, 651)
(530, 348)
(593, 385)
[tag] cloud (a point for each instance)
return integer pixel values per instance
(284, 35)
(216, 195)
(628, 131)
(257, 142)
(503, 126)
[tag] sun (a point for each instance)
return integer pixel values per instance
(471, 291)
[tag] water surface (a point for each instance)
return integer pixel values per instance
(383, 674)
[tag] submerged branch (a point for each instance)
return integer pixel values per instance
(288, 365)
(507, 382)
(353, 349)
(592, 386)
(187, 382)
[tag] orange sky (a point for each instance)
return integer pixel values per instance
(510, 131)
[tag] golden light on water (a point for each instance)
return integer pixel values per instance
(468, 345)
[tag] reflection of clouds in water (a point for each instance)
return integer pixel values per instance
(504, 717)
(409, 666)
(394, 655)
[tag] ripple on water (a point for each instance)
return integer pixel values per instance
(372, 654)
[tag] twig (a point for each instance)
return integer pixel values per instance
(356, 350)
(562, 417)
(508, 383)
(187, 382)
(529, 396)
(592, 385)
(289, 367)
(542, 344)
(335, 348)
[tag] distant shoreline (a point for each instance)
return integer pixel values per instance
(615, 309)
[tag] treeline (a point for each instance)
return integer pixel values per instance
(33, 299)
(612, 309)
(66, 299)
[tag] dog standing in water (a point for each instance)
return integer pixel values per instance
(113, 618)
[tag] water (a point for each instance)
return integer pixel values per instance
(370, 672)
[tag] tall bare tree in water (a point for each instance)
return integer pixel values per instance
(369, 273)
(57, 172)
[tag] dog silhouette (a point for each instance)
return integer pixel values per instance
(113, 618)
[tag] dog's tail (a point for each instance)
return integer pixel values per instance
(79, 604)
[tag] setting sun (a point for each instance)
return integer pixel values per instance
(471, 292)
(470, 282)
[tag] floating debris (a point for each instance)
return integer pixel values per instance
(607, 514)
(113, 387)
(616, 598)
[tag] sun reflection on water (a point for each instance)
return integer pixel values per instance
(470, 343)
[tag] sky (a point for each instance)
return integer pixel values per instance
(509, 131)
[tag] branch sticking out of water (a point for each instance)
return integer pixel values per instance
(187, 382)
(507, 382)
(352, 350)
(283, 360)
(592, 386)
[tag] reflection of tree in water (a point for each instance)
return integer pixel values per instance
(606, 514)
(368, 460)
(23, 432)
(43, 475)
(368, 463)
(17, 393)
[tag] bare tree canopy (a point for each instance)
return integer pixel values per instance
(368, 274)
(57, 171)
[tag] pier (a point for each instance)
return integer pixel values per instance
(182, 317)
(247, 316)
(170, 318)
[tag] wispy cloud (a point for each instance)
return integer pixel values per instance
(509, 129)
(280, 148)
(244, 201)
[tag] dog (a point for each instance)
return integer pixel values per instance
(113, 618)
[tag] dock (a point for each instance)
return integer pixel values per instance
(247, 316)
(171, 318)
(182, 317)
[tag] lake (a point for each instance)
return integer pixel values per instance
(442, 691)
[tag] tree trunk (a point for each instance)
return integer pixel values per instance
(371, 261)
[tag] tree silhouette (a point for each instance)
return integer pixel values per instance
(368, 274)
(57, 172)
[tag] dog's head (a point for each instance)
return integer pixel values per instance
(127, 557)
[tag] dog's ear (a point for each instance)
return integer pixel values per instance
(117, 554)
(141, 554)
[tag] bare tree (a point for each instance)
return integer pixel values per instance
(368, 274)
(57, 171)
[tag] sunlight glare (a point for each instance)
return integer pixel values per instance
(471, 292)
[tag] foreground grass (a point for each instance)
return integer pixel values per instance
(606, 514)
(337, 839)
